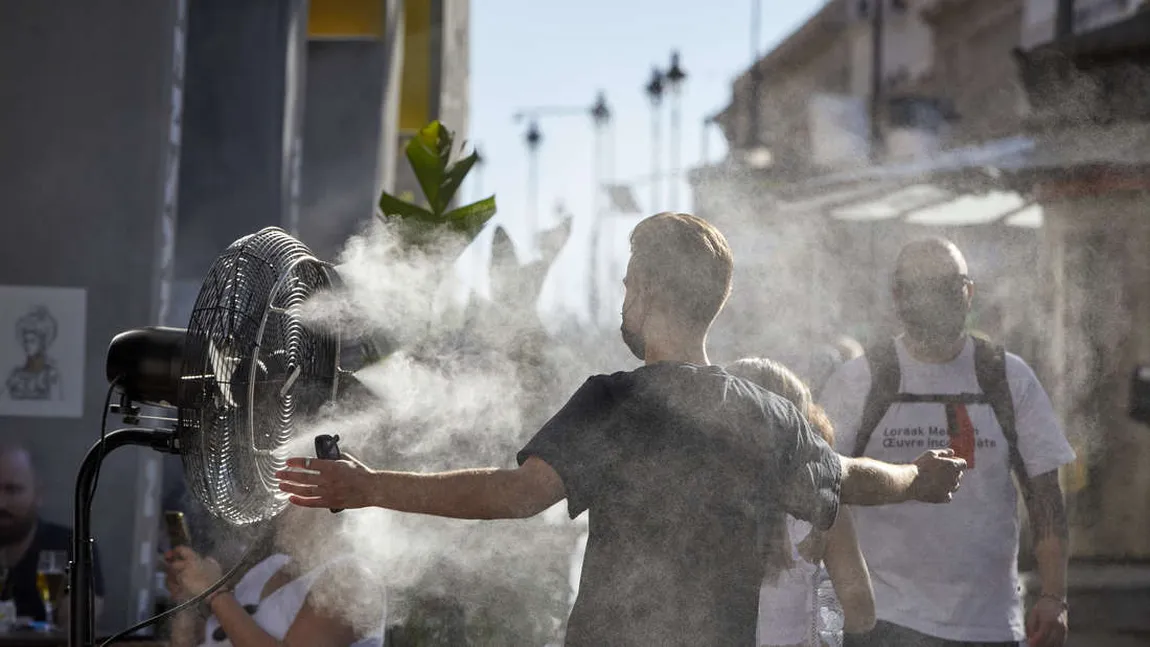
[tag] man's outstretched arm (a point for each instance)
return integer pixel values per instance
(488, 493)
(931, 478)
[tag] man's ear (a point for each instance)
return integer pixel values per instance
(969, 294)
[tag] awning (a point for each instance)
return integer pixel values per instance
(923, 204)
(1078, 146)
(960, 187)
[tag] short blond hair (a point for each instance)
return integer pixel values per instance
(686, 263)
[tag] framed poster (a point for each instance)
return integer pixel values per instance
(42, 331)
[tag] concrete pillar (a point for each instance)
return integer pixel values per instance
(241, 148)
(435, 77)
(350, 131)
(243, 114)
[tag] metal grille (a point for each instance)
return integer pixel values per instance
(251, 371)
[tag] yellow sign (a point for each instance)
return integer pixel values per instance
(416, 84)
(364, 19)
(345, 19)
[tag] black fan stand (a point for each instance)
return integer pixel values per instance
(81, 628)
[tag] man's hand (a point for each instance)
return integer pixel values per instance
(939, 473)
(327, 484)
(1046, 625)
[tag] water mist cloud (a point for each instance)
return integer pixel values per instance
(450, 396)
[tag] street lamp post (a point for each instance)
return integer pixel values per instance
(876, 81)
(675, 77)
(533, 138)
(705, 140)
(601, 123)
(877, 142)
(654, 89)
(601, 120)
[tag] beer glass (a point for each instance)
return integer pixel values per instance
(50, 581)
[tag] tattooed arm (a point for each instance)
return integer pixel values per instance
(1047, 622)
(1048, 526)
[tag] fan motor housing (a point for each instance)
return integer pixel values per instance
(148, 363)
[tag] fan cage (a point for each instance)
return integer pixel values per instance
(251, 372)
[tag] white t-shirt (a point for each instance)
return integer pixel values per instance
(787, 605)
(948, 570)
(276, 613)
(800, 606)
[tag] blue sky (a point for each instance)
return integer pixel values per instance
(540, 53)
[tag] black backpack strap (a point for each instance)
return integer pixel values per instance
(885, 379)
(990, 369)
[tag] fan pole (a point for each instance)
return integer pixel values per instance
(81, 628)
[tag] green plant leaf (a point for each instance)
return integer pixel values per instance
(393, 207)
(471, 218)
(453, 178)
(429, 154)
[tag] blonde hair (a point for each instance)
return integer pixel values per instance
(686, 263)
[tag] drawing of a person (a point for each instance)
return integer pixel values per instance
(37, 378)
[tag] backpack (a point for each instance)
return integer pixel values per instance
(989, 368)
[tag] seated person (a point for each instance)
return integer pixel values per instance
(788, 600)
(24, 536)
(275, 601)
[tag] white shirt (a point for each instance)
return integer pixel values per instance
(800, 606)
(787, 605)
(276, 613)
(948, 570)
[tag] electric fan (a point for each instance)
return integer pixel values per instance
(240, 377)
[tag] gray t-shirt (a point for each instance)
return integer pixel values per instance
(683, 470)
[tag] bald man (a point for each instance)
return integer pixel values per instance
(948, 575)
(23, 535)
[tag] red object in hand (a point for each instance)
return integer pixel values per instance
(963, 442)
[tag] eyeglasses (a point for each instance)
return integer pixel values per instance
(934, 285)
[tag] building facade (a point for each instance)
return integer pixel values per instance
(813, 116)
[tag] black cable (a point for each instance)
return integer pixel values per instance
(103, 436)
(257, 545)
(96, 477)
